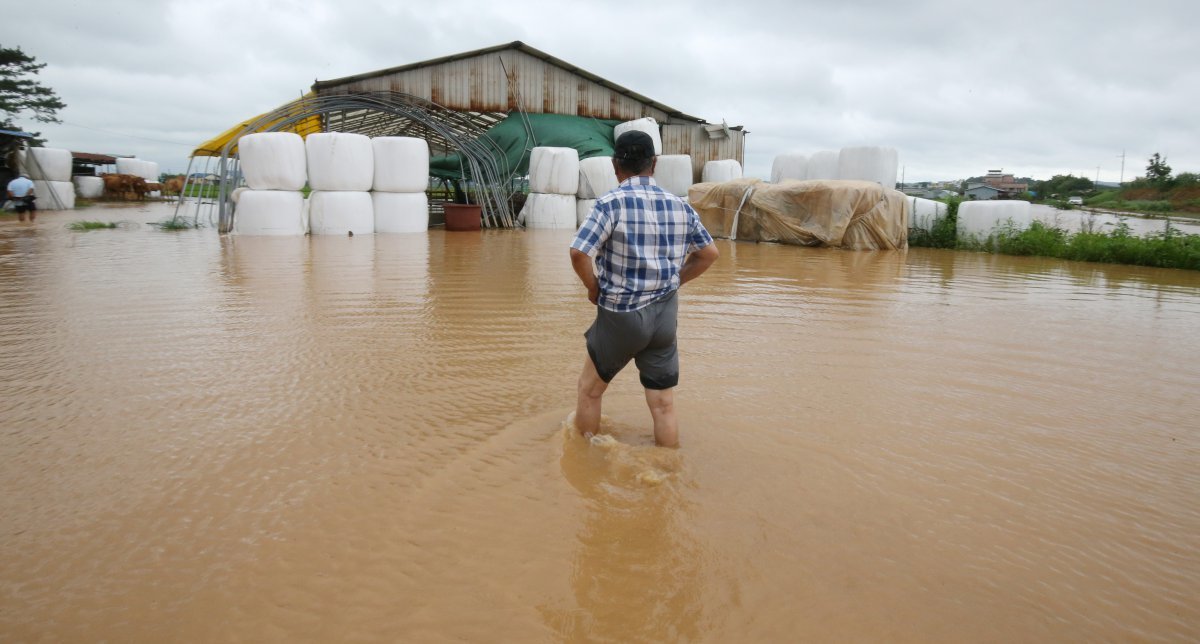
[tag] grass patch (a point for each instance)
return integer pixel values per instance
(943, 234)
(90, 225)
(1167, 249)
(176, 223)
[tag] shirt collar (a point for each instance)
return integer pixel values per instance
(639, 180)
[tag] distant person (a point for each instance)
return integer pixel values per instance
(20, 191)
(636, 248)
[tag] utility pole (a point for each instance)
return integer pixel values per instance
(1122, 180)
(1097, 174)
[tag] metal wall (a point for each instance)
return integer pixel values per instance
(693, 139)
(503, 81)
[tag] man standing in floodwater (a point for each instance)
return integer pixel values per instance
(20, 191)
(646, 243)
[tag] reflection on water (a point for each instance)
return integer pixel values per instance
(330, 439)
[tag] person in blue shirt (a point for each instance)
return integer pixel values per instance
(20, 191)
(636, 248)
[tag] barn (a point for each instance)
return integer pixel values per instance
(481, 112)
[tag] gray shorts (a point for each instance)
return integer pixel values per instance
(646, 336)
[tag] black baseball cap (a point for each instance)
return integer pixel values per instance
(634, 145)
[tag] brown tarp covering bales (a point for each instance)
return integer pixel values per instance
(855, 215)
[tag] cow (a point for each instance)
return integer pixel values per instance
(124, 186)
(173, 185)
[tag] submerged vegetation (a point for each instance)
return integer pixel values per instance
(176, 223)
(1167, 249)
(90, 225)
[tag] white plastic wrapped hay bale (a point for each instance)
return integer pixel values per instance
(583, 208)
(924, 213)
(549, 211)
(554, 171)
(673, 173)
(131, 166)
(401, 164)
(54, 195)
(822, 165)
(876, 164)
(150, 168)
(341, 212)
(789, 166)
(340, 161)
(647, 125)
(46, 164)
(237, 193)
(978, 220)
(596, 177)
(721, 171)
(400, 212)
(273, 161)
(88, 187)
(269, 212)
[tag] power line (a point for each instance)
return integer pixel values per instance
(132, 136)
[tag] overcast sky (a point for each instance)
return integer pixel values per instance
(1035, 88)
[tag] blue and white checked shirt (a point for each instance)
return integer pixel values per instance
(639, 235)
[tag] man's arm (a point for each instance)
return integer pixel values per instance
(582, 263)
(697, 262)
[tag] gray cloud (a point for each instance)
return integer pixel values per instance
(1036, 88)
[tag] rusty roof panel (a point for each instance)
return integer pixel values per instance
(513, 76)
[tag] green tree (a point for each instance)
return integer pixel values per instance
(21, 92)
(1158, 171)
(1063, 185)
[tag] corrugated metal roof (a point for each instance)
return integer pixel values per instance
(468, 94)
(91, 157)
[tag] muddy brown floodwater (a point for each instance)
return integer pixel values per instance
(207, 438)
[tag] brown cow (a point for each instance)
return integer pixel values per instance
(124, 186)
(173, 185)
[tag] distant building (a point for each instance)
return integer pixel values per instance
(982, 191)
(1005, 183)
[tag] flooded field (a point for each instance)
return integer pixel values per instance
(360, 439)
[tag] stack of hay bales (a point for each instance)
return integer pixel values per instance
(553, 183)
(789, 166)
(88, 187)
(341, 171)
(855, 215)
(596, 177)
(979, 220)
(50, 170)
(674, 174)
(878, 164)
(647, 125)
(275, 169)
(401, 176)
(721, 171)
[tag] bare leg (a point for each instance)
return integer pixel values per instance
(591, 392)
(662, 410)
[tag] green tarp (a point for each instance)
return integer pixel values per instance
(511, 143)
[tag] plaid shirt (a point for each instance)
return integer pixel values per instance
(639, 234)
